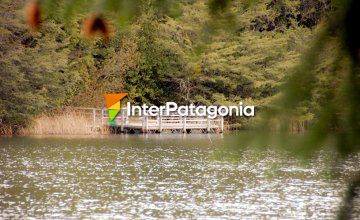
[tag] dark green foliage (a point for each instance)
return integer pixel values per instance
(283, 15)
(240, 51)
(326, 84)
(311, 11)
(34, 71)
(151, 81)
(40, 71)
(155, 54)
(218, 6)
(351, 37)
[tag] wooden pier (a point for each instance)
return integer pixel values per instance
(148, 124)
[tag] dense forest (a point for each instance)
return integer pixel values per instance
(188, 53)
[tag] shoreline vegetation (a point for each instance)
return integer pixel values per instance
(187, 57)
(75, 121)
(68, 122)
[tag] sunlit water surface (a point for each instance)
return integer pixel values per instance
(163, 176)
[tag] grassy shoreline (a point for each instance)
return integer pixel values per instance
(69, 122)
(73, 121)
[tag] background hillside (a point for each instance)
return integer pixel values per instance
(185, 52)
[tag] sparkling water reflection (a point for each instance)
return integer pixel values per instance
(162, 177)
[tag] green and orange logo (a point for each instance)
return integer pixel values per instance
(113, 105)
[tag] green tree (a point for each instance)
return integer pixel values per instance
(34, 71)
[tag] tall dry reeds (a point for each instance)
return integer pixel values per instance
(69, 122)
(5, 129)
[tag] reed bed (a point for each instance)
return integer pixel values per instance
(69, 122)
(5, 130)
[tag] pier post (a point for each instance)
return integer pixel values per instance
(208, 124)
(160, 123)
(146, 124)
(94, 119)
(122, 120)
(101, 120)
(222, 124)
(184, 124)
(143, 124)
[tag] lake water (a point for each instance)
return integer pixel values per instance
(163, 176)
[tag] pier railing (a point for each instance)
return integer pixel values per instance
(99, 119)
